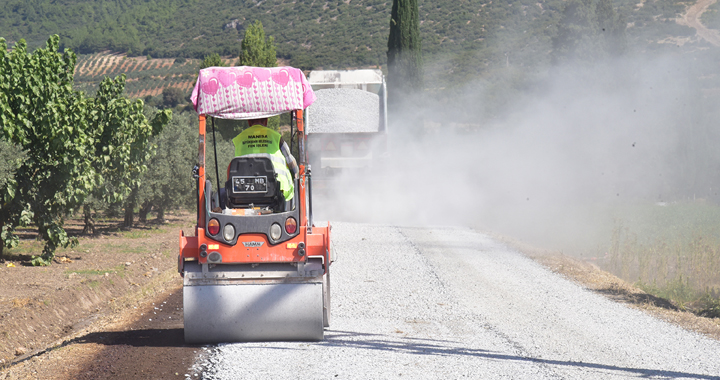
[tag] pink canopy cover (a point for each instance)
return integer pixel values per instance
(245, 92)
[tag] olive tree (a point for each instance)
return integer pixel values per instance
(168, 182)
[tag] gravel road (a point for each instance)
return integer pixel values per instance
(430, 303)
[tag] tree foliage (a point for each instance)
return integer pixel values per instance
(256, 49)
(42, 114)
(172, 96)
(11, 158)
(168, 182)
(212, 60)
(122, 145)
(74, 143)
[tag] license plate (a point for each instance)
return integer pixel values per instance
(249, 184)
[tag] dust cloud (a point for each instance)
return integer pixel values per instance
(549, 170)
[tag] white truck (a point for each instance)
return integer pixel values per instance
(347, 124)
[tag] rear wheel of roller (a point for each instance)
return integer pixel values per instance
(253, 312)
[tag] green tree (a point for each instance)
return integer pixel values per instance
(122, 144)
(172, 96)
(11, 158)
(212, 60)
(42, 114)
(168, 182)
(59, 128)
(132, 201)
(256, 49)
(404, 54)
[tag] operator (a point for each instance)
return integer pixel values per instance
(258, 138)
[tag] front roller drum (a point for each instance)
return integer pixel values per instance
(253, 312)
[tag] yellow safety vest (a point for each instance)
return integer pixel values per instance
(260, 139)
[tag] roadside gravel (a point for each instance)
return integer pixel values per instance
(451, 303)
(573, 331)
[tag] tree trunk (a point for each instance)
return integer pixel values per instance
(161, 215)
(144, 210)
(129, 209)
(89, 227)
(129, 215)
(2, 244)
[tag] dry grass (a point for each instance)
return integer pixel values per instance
(591, 276)
(670, 251)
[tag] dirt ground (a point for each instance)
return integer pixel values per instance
(108, 308)
(112, 308)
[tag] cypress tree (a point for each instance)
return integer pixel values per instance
(256, 49)
(404, 50)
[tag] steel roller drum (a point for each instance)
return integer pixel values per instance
(253, 312)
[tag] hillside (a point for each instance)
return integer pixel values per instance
(496, 49)
(144, 76)
(331, 34)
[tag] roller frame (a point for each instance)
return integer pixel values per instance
(255, 289)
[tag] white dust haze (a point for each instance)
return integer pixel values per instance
(551, 169)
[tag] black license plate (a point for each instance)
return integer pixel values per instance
(250, 184)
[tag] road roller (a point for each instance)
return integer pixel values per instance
(257, 267)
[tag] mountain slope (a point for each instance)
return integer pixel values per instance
(312, 33)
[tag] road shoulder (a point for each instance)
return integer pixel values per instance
(590, 276)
